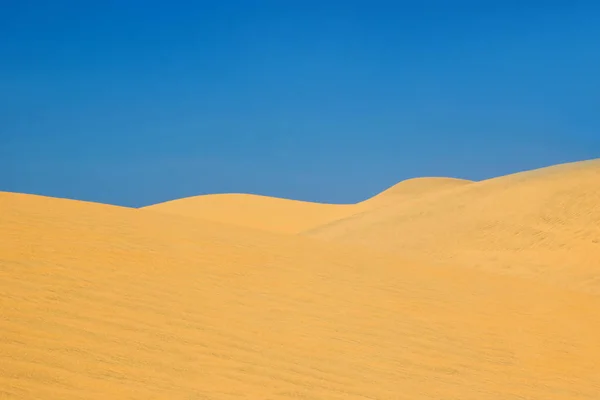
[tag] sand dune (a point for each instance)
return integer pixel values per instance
(102, 302)
(412, 188)
(99, 302)
(292, 216)
(254, 211)
(543, 223)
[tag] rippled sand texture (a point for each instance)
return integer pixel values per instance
(543, 224)
(435, 289)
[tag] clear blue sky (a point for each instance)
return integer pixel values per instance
(135, 102)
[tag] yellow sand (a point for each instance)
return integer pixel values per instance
(254, 211)
(291, 216)
(412, 188)
(543, 223)
(103, 302)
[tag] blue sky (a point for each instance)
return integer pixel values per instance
(136, 102)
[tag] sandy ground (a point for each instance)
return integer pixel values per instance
(435, 289)
(543, 224)
(292, 216)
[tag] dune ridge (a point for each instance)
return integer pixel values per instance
(292, 216)
(411, 188)
(435, 288)
(106, 302)
(543, 223)
(256, 211)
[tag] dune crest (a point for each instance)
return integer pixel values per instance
(414, 187)
(292, 216)
(256, 211)
(106, 302)
(543, 223)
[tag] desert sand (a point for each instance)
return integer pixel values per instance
(259, 212)
(434, 289)
(543, 223)
(293, 216)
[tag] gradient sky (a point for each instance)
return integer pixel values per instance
(135, 102)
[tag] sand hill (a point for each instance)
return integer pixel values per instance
(292, 216)
(104, 302)
(543, 223)
(412, 188)
(254, 211)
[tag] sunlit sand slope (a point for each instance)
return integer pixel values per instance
(291, 216)
(100, 302)
(543, 223)
(261, 212)
(415, 187)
